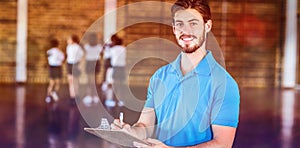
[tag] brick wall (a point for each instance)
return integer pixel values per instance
(8, 17)
(249, 33)
(252, 46)
(60, 19)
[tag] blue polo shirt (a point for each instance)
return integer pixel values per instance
(186, 106)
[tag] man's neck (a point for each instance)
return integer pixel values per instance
(189, 61)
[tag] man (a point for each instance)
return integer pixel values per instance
(193, 101)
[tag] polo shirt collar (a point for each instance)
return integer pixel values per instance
(203, 68)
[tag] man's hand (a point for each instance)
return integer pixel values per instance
(153, 143)
(116, 125)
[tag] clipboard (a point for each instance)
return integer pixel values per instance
(116, 136)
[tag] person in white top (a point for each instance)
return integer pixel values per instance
(92, 68)
(117, 53)
(74, 55)
(107, 78)
(55, 60)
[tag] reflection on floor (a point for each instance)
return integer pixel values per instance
(268, 118)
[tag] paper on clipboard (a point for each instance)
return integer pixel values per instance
(115, 136)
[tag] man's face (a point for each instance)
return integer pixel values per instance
(189, 29)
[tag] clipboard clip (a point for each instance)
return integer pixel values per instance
(104, 125)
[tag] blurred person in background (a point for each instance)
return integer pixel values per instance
(116, 52)
(55, 61)
(92, 68)
(74, 56)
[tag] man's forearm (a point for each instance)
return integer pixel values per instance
(144, 127)
(223, 138)
(210, 144)
(140, 130)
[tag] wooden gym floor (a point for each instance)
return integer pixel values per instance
(269, 118)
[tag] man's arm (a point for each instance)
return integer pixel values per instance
(223, 138)
(144, 127)
(145, 124)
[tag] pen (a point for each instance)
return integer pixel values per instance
(121, 118)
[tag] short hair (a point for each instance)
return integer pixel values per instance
(200, 5)
(54, 43)
(75, 38)
(116, 40)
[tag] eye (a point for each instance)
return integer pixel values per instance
(180, 24)
(193, 23)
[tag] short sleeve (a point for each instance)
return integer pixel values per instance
(150, 101)
(62, 56)
(81, 52)
(49, 52)
(226, 111)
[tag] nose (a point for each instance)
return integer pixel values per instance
(186, 29)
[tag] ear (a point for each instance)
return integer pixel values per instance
(173, 28)
(208, 26)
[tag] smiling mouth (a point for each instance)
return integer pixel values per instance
(187, 38)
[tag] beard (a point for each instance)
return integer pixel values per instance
(187, 48)
(191, 49)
